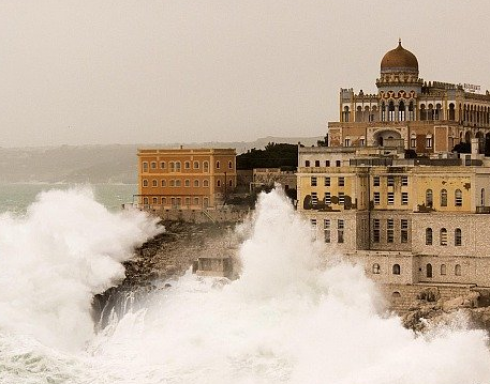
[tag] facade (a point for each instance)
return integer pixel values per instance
(387, 192)
(185, 179)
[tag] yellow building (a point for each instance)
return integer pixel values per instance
(387, 191)
(185, 179)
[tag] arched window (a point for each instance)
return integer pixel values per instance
(429, 270)
(196, 183)
(145, 166)
(177, 183)
(413, 141)
(391, 111)
(428, 198)
(423, 112)
(428, 236)
(452, 114)
(396, 295)
(458, 198)
(411, 114)
(172, 166)
(206, 166)
(153, 165)
(154, 183)
(206, 183)
(230, 165)
(177, 166)
(443, 269)
(457, 270)
(230, 183)
(383, 111)
(401, 111)
(187, 165)
(396, 269)
(196, 164)
(346, 115)
(164, 201)
(218, 183)
(187, 183)
(206, 202)
(145, 183)
(458, 239)
(482, 197)
(164, 183)
(443, 236)
(444, 198)
(162, 164)
(376, 269)
(146, 201)
(154, 200)
(218, 165)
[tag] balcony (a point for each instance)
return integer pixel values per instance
(482, 209)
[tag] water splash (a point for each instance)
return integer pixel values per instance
(292, 317)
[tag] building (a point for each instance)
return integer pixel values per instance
(430, 117)
(387, 191)
(185, 179)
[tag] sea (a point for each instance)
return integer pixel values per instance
(298, 314)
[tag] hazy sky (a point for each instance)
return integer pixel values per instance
(156, 71)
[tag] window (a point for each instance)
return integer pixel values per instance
(313, 181)
(218, 165)
(187, 201)
(443, 269)
(153, 165)
(376, 230)
(307, 163)
(154, 200)
(376, 181)
(196, 200)
(457, 270)
(145, 166)
(164, 183)
(337, 163)
(206, 166)
(346, 142)
(328, 199)
(172, 183)
(179, 202)
(177, 183)
(145, 201)
(428, 142)
(482, 197)
(206, 183)
(443, 236)
(428, 269)
(196, 183)
(457, 237)
(443, 198)
(230, 165)
(317, 163)
(326, 227)
(404, 198)
(458, 197)
(313, 223)
(172, 166)
(187, 183)
(327, 163)
(145, 183)
(396, 269)
(428, 198)
(218, 183)
(376, 269)
(164, 201)
(403, 231)
(340, 231)
(341, 198)
(404, 181)
(177, 166)
(413, 142)
(390, 231)
(154, 183)
(428, 236)
(162, 165)
(327, 181)
(187, 165)
(230, 183)
(341, 181)
(377, 198)
(196, 164)
(391, 181)
(314, 199)
(391, 198)
(362, 142)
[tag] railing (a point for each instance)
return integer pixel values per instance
(482, 209)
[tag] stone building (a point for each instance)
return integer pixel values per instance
(387, 191)
(185, 179)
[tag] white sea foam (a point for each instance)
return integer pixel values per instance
(290, 318)
(55, 258)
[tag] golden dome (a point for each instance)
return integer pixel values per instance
(399, 60)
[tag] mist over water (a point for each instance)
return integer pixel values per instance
(292, 317)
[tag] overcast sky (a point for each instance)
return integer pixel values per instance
(158, 71)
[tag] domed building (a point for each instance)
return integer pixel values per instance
(426, 117)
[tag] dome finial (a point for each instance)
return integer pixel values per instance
(400, 41)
